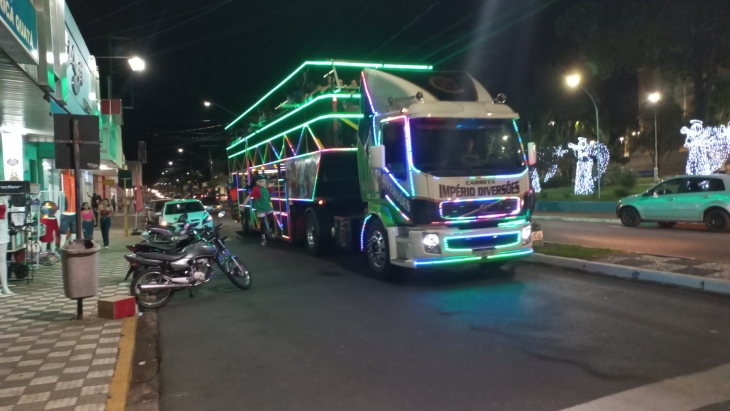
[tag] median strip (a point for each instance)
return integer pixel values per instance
(697, 275)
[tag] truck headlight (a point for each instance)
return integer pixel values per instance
(431, 243)
(527, 235)
(163, 223)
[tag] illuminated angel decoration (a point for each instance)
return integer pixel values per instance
(586, 154)
(709, 147)
(551, 159)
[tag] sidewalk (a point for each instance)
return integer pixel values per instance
(48, 359)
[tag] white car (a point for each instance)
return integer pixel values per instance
(198, 216)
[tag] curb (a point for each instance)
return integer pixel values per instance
(712, 285)
(119, 387)
(581, 219)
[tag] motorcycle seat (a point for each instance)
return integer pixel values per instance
(161, 256)
(158, 246)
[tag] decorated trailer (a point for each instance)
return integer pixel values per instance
(411, 166)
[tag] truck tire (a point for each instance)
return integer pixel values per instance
(246, 226)
(314, 239)
(377, 250)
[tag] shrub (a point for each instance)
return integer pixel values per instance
(622, 192)
(556, 182)
(544, 195)
(567, 194)
(627, 179)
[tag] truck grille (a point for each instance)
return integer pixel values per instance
(482, 241)
(479, 209)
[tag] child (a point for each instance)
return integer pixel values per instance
(261, 203)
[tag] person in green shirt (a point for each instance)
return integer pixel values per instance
(260, 199)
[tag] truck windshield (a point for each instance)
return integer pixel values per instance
(456, 147)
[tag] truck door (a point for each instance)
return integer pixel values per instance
(394, 140)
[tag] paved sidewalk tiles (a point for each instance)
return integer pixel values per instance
(49, 360)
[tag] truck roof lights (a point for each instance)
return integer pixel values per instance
(334, 64)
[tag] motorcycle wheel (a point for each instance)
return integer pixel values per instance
(149, 299)
(238, 274)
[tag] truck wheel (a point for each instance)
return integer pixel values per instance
(377, 250)
(312, 235)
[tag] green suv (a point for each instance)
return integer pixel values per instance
(689, 199)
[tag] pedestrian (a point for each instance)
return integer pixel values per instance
(261, 203)
(105, 220)
(114, 202)
(95, 201)
(87, 221)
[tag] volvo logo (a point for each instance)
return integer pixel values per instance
(446, 84)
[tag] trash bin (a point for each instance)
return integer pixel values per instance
(80, 268)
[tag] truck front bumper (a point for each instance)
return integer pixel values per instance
(461, 246)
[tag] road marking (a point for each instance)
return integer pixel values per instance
(685, 393)
(119, 387)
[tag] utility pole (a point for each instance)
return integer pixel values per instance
(210, 157)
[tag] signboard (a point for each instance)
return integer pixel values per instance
(109, 182)
(18, 31)
(35, 188)
(125, 175)
(12, 155)
(14, 187)
(89, 135)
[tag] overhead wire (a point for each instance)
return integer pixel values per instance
(497, 31)
(112, 13)
(403, 29)
(210, 10)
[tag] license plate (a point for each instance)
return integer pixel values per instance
(483, 253)
(537, 236)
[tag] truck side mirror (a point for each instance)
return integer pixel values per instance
(531, 154)
(377, 157)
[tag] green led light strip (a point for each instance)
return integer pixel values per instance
(326, 116)
(335, 64)
(298, 109)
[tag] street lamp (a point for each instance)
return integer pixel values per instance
(573, 81)
(169, 162)
(654, 99)
(179, 150)
(208, 104)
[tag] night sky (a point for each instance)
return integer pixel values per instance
(233, 51)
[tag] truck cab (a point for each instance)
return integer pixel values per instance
(444, 172)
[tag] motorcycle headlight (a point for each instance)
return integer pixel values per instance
(431, 243)
(527, 235)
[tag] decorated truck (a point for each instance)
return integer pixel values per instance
(412, 167)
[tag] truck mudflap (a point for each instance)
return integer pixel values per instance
(435, 247)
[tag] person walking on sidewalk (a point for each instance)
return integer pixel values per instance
(105, 213)
(95, 202)
(87, 221)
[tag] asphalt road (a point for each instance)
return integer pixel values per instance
(684, 240)
(319, 334)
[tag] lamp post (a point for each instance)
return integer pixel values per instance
(208, 104)
(654, 99)
(573, 81)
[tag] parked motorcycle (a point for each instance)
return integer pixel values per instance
(188, 235)
(164, 274)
